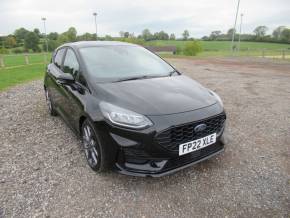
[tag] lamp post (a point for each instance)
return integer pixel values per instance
(234, 29)
(240, 32)
(95, 15)
(44, 19)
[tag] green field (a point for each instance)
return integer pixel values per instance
(16, 75)
(222, 48)
(16, 60)
(221, 45)
(16, 70)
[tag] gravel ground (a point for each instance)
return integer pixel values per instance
(43, 172)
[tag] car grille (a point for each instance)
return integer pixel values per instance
(171, 138)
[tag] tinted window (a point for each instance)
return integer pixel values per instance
(71, 64)
(58, 57)
(117, 62)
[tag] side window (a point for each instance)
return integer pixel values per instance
(71, 64)
(58, 57)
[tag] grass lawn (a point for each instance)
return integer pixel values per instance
(221, 45)
(16, 75)
(17, 60)
(222, 48)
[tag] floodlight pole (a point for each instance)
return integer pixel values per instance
(95, 15)
(44, 19)
(240, 32)
(234, 29)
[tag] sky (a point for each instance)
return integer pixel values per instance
(200, 17)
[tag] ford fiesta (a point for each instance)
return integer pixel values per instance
(134, 112)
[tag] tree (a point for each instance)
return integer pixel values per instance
(185, 34)
(86, 37)
(31, 41)
(52, 36)
(230, 32)
(10, 41)
(172, 36)
(62, 38)
(163, 35)
(260, 31)
(51, 44)
(126, 34)
(215, 34)
(71, 34)
(285, 35)
(277, 33)
(37, 32)
(155, 36)
(147, 35)
(20, 33)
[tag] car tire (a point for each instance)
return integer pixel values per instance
(95, 148)
(49, 103)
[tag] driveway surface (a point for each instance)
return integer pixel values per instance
(43, 172)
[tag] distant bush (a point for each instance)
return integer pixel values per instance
(133, 40)
(108, 38)
(36, 49)
(17, 50)
(52, 45)
(192, 48)
(4, 51)
(178, 50)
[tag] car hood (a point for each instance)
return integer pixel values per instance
(157, 96)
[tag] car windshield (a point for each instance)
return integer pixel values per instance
(121, 62)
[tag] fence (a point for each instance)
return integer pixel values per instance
(161, 49)
(38, 58)
(23, 59)
(276, 54)
(265, 53)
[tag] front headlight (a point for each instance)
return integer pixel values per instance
(217, 97)
(123, 117)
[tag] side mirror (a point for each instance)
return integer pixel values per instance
(65, 78)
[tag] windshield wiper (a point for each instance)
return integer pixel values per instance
(172, 72)
(146, 76)
(135, 78)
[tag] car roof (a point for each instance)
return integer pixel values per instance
(82, 44)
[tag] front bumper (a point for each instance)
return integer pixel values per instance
(144, 153)
(151, 169)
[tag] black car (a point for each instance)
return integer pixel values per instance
(134, 112)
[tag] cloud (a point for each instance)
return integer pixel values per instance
(200, 17)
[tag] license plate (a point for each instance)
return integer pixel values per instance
(197, 144)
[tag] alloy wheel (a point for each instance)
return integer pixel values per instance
(90, 143)
(48, 101)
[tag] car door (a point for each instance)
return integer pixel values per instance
(73, 93)
(53, 70)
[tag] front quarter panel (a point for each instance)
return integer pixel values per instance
(92, 108)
